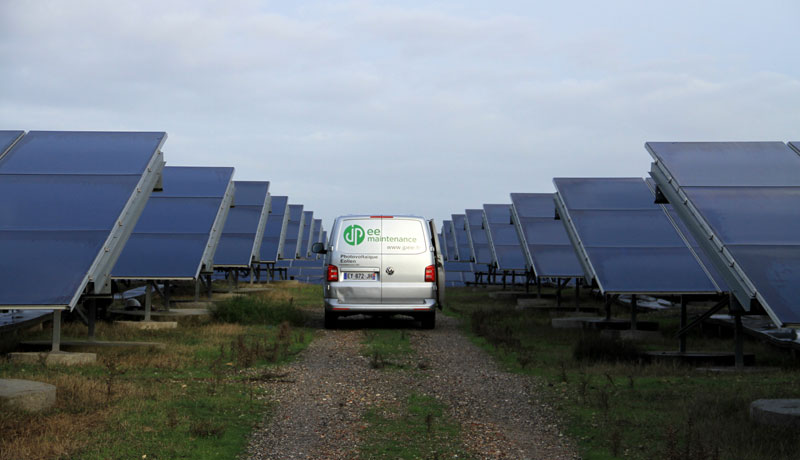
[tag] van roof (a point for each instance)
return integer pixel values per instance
(379, 216)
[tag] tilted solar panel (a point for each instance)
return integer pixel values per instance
(478, 241)
(448, 240)
(292, 232)
(740, 200)
(459, 231)
(304, 235)
(244, 228)
(179, 230)
(69, 201)
(545, 242)
(625, 241)
(503, 239)
(277, 220)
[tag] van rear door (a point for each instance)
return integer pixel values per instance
(358, 256)
(439, 257)
(406, 252)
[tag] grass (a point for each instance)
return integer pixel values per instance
(387, 348)
(415, 429)
(199, 398)
(617, 408)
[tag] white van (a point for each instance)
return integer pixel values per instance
(382, 265)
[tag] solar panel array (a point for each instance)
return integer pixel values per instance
(625, 241)
(449, 241)
(502, 237)
(545, 243)
(459, 232)
(740, 201)
(243, 231)
(178, 233)
(277, 221)
(476, 235)
(292, 232)
(69, 202)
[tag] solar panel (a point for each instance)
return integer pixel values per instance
(69, 201)
(625, 241)
(503, 239)
(449, 240)
(740, 201)
(478, 241)
(244, 228)
(180, 229)
(545, 242)
(292, 232)
(316, 236)
(443, 243)
(459, 232)
(275, 227)
(304, 235)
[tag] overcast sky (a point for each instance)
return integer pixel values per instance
(405, 107)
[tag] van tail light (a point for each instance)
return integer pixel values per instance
(333, 273)
(430, 274)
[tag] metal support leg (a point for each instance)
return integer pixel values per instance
(148, 300)
(92, 307)
(252, 273)
(538, 288)
(56, 331)
(166, 295)
(236, 278)
(558, 292)
(197, 283)
(682, 345)
(633, 312)
(738, 336)
(577, 295)
(230, 281)
(608, 307)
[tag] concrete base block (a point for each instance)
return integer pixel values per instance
(53, 358)
(700, 358)
(574, 322)
(148, 325)
(635, 336)
(27, 395)
(777, 412)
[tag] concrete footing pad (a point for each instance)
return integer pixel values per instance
(572, 322)
(148, 325)
(84, 344)
(701, 358)
(778, 412)
(633, 336)
(27, 395)
(53, 358)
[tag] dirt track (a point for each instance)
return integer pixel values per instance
(323, 395)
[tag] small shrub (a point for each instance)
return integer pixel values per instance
(206, 429)
(258, 310)
(595, 347)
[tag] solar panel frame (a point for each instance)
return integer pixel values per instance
(693, 171)
(626, 195)
(212, 235)
(478, 241)
(504, 243)
(94, 146)
(247, 200)
(291, 233)
(449, 241)
(277, 220)
(304, 234)
(459, 231)
(551, 255)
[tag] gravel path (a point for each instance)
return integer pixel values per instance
(322, 396)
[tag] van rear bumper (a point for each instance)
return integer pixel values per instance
(335, 305)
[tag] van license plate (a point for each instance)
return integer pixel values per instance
(360, 276)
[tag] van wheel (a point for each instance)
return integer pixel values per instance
(330, 320)
(429, 320)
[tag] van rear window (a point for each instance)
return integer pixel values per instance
(387, 236)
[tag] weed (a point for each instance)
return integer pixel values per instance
(258, 310)
(593, 347)
(206, 429)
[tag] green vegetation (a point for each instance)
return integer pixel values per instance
(257, 310)
(415, 429)
(387, 348)
(617, 408)
(197, 398)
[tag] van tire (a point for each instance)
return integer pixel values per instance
(330, 320)
(428, 320)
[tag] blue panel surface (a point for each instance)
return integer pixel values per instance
(737, 164)
(172, 234)
(743, 198)
(629, 242)
(549, 251)
(503, 238)
(459, 222)
(71, 152)
(237, 246)
(292, 231)
(305, 235)
(62, 197)
(449, 241)
(479, 244)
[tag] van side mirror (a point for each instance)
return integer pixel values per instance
(318, 248)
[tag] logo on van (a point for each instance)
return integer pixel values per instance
(354, 235)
